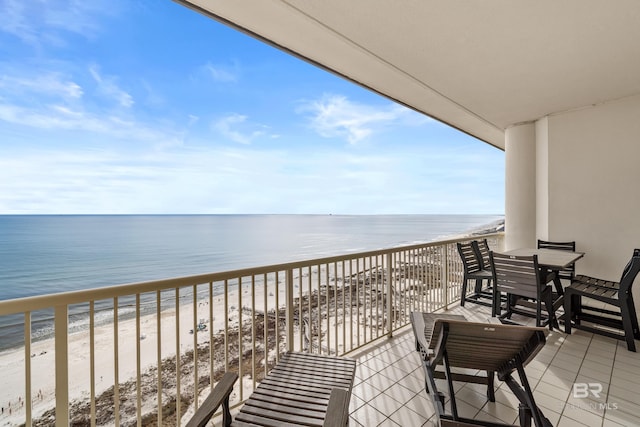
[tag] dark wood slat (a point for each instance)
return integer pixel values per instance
(289, 399)
(314, 370)
(297, 391)
(275, 416)
(296, 381)
(309, 393)
(283, 410)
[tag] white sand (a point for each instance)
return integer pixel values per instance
(12, 362)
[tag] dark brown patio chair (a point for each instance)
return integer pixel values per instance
(566, 273)
(622, 324)
(301, 390)
(472, 263)
(503, 349)
(520, 278)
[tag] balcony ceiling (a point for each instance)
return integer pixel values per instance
(480, 66)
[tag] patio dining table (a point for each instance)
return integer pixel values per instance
(550, 260)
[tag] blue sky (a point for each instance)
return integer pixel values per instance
(121, 107)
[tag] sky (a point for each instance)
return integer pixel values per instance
(146, 107)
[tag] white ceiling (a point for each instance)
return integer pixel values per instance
(478, 65)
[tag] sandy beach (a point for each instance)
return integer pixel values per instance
(211, 321)
(42, 354)
(350, 310)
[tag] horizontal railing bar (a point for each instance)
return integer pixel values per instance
(39, 302)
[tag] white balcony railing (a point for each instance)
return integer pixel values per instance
(110, 357)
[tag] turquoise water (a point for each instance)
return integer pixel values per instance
(47, 254)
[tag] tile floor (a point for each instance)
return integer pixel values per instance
(389, 385)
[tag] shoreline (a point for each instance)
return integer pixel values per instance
(12, 361)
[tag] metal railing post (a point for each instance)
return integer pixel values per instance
(389, 262)
(445, 275)
(61, 326)
(289, 309)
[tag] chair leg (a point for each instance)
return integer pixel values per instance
(539, 313)
(568, 307)
(491, 395)
(634, 317)
(627, 326)
(558, 283)
(478, 288)
(524, 415)
(463, 297)
(495, 307)
(577, 307)
(548, 302)
(512, 300)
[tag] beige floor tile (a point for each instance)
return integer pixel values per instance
(400, 393)
(470, 396)
(385, 404)
(565, 360)
(569, 422)
(406, 417)
(504, 413)
(368, 416)
(558, 391)
(580, 414)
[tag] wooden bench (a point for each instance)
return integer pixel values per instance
(302, 389)
(621, 324)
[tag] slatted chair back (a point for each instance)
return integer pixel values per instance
(568, 272)
(630, 272)
(485, 346)
(517, 275)
(469, 258)
(482, 252)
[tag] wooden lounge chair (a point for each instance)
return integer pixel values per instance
(422, 324)
(474, 270)
(521, 279)
(566, 273)
(302, 389)
(617, 294)
(503, 349)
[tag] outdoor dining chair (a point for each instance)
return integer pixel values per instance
(567, 273)
(520, 278)
(616, 294)
(473, 269)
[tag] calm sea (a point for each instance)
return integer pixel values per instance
(53, 253)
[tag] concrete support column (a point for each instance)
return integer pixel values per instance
(520, 186)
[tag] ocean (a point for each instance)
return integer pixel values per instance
(41, 254)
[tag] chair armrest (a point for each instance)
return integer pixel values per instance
(338, 409)
(219, 396)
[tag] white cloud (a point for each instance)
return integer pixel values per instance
(192, 120)
(47, 83)
(39, 22)
(221, 73)
(336, 116)
(108, 87)
(244, 179)
(236, 128)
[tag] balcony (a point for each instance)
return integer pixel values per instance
(355, 305)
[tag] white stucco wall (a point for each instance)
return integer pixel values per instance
(594, 169)
(574, 176)
(520, 186)
(542, 179)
